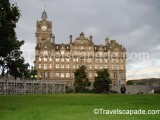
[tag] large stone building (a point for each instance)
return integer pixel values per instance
(58, 62)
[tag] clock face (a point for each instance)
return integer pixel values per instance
(44, 28)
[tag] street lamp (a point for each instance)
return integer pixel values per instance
(31, 77)
(35, 77)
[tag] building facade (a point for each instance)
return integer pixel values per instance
(58, 62)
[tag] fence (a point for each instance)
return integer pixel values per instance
(31, 87)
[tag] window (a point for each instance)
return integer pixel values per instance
(95, 48)
(45, 66)
(67, 47)
(57, 47)
(40, 66)
(73, 66)
(105, 48)
(62, 59)
(45, 74)
(90, 66)
(50, 59)
(90, 74)
(57, 65)
(75, 59)
(62, 52)
(67, 75)
(45, 52)
(62, 75)
(50, 66)
(57, 59)
(96, 66)
(57, 74)
(67, 59)
(40, 59)
(45, 59)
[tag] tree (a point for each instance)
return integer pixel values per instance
(33, 73)
(102, 81)
(18, 68)
(81, 80)
(9, 16)
(130, 82)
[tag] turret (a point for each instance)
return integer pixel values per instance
(70, 39)
(107, 41)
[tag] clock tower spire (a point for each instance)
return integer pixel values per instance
(44, 15)
(44, 29)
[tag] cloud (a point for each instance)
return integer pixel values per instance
(133, 23)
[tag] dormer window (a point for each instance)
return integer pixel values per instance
(57, 47)
(105, 48)
(95, 48)
(67, 47)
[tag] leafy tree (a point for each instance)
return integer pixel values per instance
(81, 80)
(102, 81)
(18, 68)
(33, 73)
(9, 16)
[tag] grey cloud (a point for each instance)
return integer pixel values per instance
(133, 23)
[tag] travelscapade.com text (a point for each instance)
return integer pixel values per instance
(101, 111)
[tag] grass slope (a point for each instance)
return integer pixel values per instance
(75, 106)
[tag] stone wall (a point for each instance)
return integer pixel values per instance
(134, 89)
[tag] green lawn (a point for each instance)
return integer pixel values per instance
(75, 106)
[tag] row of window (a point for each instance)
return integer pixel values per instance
(87, 60)
(67, 75)
(99, 54)
(62, 75)
(62, 66)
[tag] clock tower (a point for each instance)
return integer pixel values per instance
(44, 30)
(44, 44)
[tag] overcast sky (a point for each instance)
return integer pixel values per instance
(133, 23)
